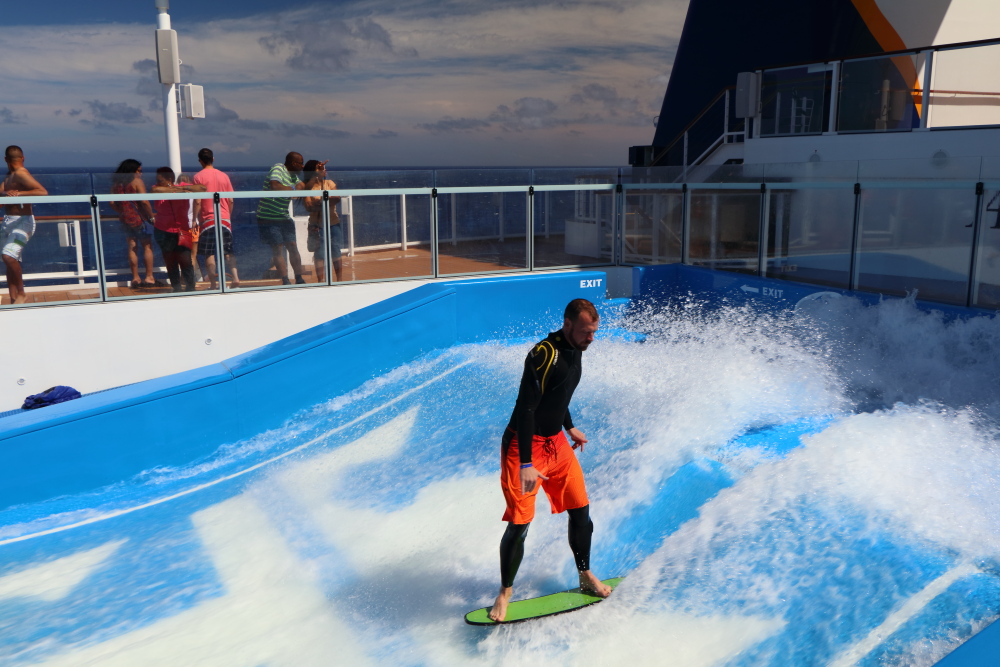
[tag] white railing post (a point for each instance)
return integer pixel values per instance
(402, 217)
(79, 251)
(350, 226)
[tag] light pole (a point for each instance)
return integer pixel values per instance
(169, 67)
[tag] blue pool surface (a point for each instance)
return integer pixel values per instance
(333, 498)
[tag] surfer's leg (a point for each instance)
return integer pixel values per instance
(581, 528)
(511, 552)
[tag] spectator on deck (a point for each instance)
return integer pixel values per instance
(215, 181)
(274, 220)
(172, 230)
(136, 218)
(315, 179)
(18, 220)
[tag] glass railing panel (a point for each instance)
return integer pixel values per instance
(653, 175)
(794, 101)
(482, 232)
(52, 253)
(990, 169)
(574, 228)
(809, 235)
(811, 172)
(725, 229)
(387, 179)
(653, 226)
(481, 178)
(935, 168)
(880, 94)
(133, 265)
(916, 239)
(384, 237)
(986, 290)
(726, 173)
(962, 91)
(270, 250)
(575, 176)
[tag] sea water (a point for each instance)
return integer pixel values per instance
(818, 487)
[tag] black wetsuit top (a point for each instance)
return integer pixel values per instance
(551, 373)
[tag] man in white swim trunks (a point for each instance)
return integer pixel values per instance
(18, 220)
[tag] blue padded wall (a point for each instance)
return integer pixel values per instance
(113, 435)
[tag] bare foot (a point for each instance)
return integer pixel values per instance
(21, 299)
(589, 583)
(499, 610)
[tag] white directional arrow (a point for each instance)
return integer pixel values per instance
(747, 288)
(56, 579)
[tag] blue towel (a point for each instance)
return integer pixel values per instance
(50, 396)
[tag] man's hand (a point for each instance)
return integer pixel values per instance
(579, 439)
(529, 477)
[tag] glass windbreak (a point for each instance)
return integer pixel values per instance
(916, 239)
(880, 94)
(965, 88)
(794, 101)
(482, 232)
(383, 237)
(270, 242)
(986, 292)
(809, 235)
(151, 247)
(653, 227)
(725, 229)
(50, 249)
(574, 228)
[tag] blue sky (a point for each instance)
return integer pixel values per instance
(359, 82)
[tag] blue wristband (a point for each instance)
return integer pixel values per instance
(525, 465)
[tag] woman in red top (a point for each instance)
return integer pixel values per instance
(134, 216)
(172, 230)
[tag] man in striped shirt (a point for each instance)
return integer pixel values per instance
(274, 219)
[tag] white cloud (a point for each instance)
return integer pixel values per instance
(396, 71)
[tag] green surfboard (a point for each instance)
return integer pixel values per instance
(547, 605)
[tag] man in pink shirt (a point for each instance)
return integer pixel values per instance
(215, 181)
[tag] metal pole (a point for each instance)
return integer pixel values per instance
(685, 224)
(169, 100)
(327, 238)
(434, 232)
(831, 125)
(972, 297)
(725, 121)
(220, 255)
(529, 241)
(95, 218)
(765, 210)
(685, 156)
(925, 95)
(856, 240)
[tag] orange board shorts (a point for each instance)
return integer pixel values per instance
(552, 457)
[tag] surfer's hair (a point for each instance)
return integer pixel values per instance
(577, 306)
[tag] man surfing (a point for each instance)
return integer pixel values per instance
(551, 373)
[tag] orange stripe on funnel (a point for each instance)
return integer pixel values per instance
(889, 40)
